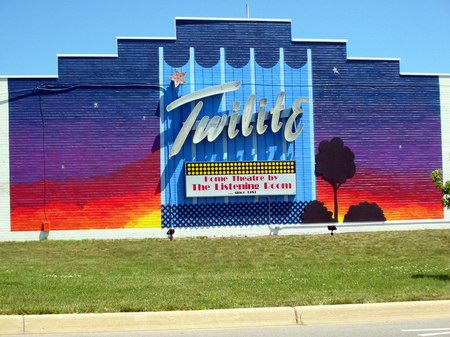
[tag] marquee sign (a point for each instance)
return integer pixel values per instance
(244, 178)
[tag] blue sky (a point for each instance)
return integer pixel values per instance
(32, 32)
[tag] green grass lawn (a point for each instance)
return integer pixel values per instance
(185, 274)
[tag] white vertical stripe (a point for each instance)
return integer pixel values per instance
(252, 70)
(194, 158)
(444, 89)
(224, 102)
(223, 78)
(253, 89)
(224, 108)
(162, 117)
(5, 207)
(311, 123)
(192, 89)
(192, 69)
(282, 69)
(282, 88)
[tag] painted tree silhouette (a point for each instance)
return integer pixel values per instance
(335, 163)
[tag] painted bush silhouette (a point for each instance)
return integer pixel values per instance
(316, 212)
(335, 163)
(364, 211)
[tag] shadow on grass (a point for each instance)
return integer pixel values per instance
(440, 277)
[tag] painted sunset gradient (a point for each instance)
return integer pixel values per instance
(393, 169)
(398, 201)
(392, 124)
(93, 166)
(126, 198)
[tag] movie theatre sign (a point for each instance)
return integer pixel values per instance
(226, 179)
(211, 128)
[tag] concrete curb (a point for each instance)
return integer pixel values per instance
(225, 318)
(376, 312)
(141, 321)
(11, 324)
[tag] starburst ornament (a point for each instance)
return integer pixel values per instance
(178, 78)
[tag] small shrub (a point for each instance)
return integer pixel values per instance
(364, 211)
(438, 180)
(316, 212)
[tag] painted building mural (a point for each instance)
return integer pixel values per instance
(91, 148)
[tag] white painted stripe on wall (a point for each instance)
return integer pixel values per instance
(281, 52)
(253, 89)
(223, 104)
(162, 118)
(252, 71)
(311, 123)
(5, 206)
(444, 89)
(282, 88)
(192, 89)
(223, 79)
(192, 68)
(226, 231)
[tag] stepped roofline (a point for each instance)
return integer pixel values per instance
(320, 40)
(87, 55)
(393, 59)
(146, 38)
(27, 76)
(181, 18)
(215, 19)
(425, 74)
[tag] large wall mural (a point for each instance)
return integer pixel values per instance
(272, 88)
(83, 158)
(104, 145)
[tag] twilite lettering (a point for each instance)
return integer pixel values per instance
(212, 128)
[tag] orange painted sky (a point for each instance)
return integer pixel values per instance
(398, 199)
(117, 200)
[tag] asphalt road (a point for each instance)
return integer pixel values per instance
(425, 328)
